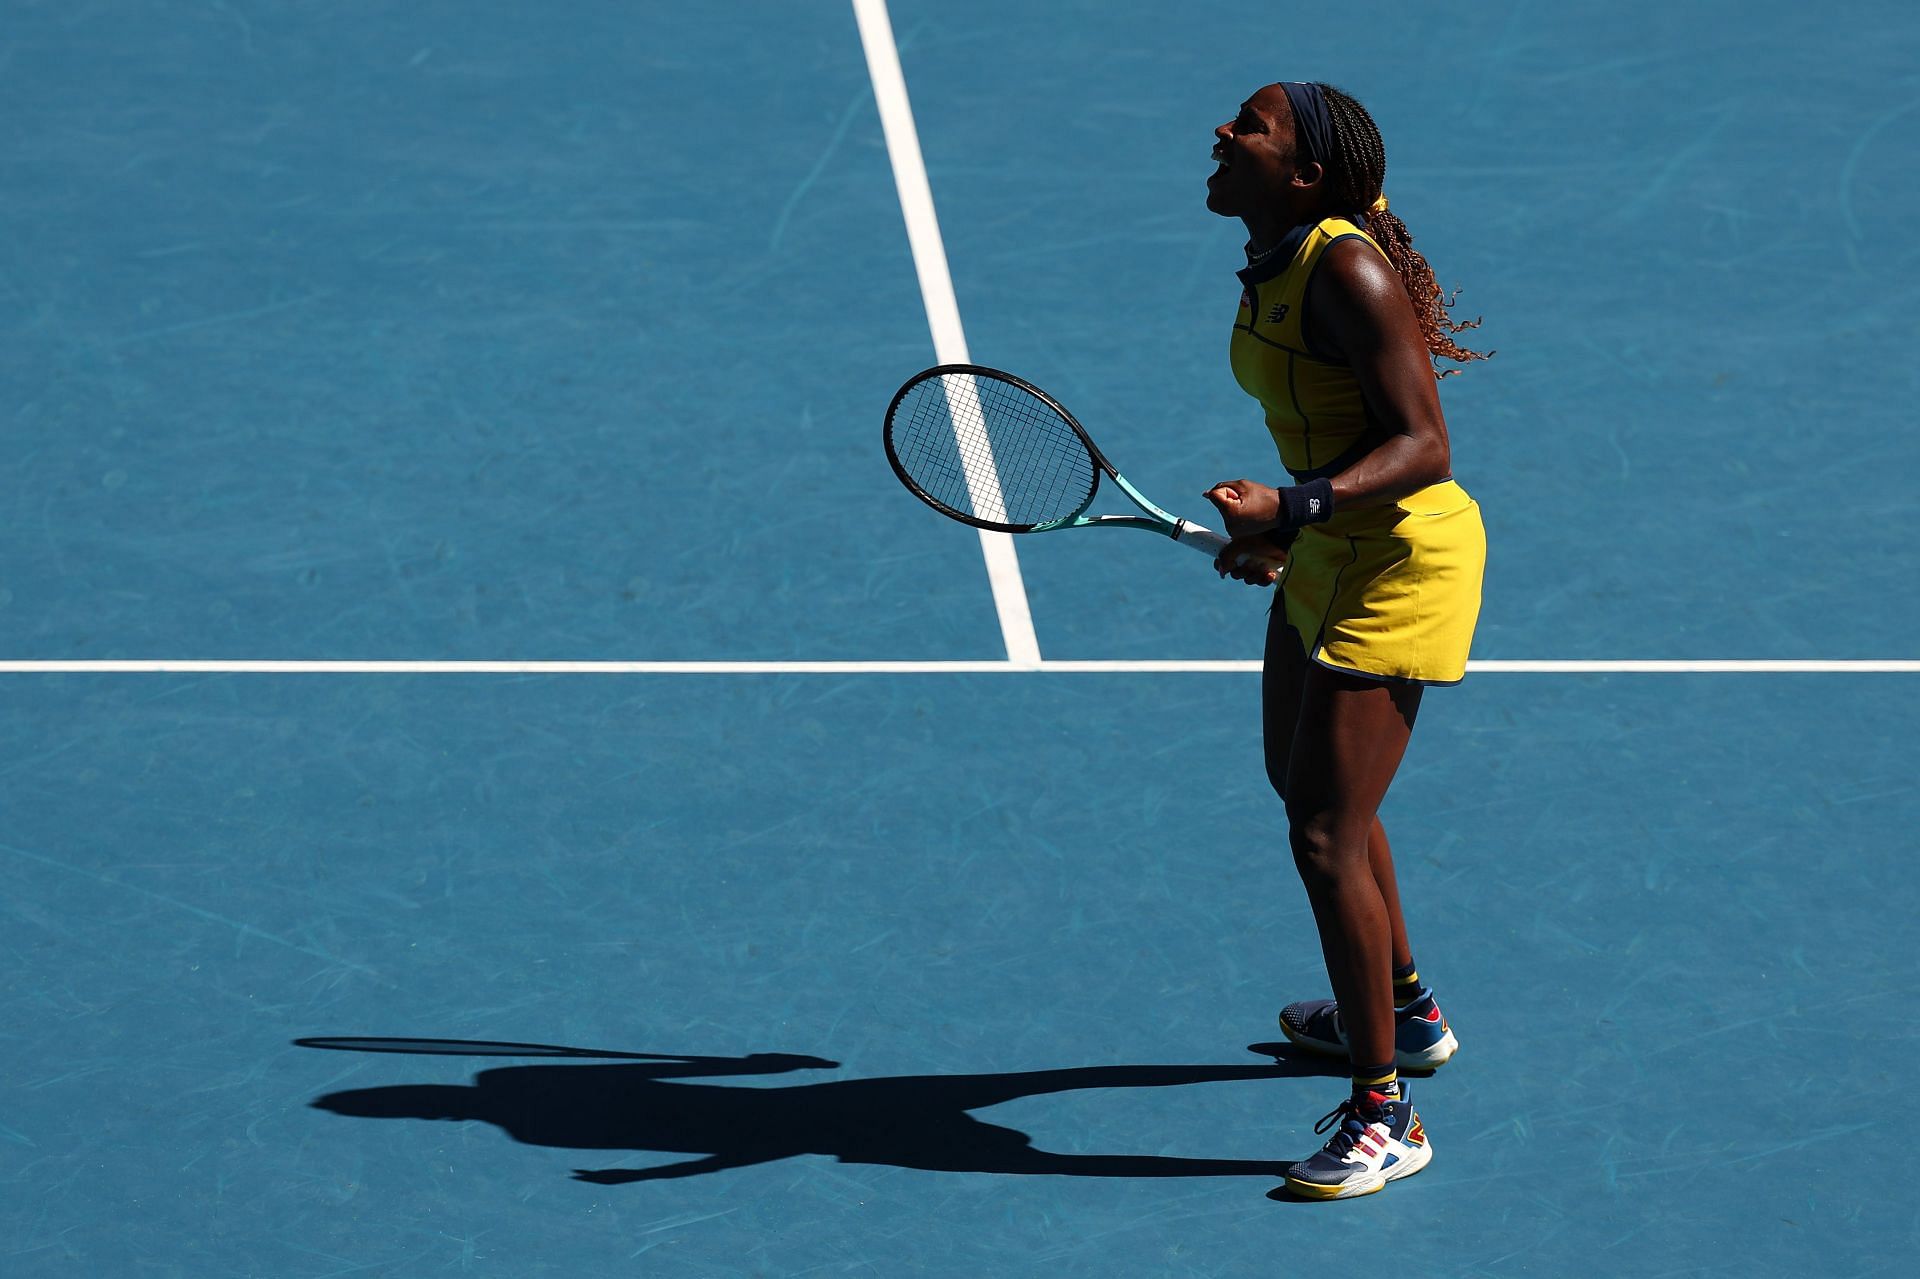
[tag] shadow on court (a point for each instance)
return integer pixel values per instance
(907, 1121)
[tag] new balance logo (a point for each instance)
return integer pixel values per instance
(1278, 313)
(1313, 506)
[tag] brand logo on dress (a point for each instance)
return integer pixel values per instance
(1278, 313)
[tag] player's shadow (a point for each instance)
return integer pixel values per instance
(907, 1121)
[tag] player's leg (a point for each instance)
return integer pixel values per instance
(1348, 742)
(1315, 1023)
(1380, 861)
(1422, 1038)
(1283, 676)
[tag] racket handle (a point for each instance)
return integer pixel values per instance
(1200, 538)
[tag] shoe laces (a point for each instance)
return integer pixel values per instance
(1352, 1123)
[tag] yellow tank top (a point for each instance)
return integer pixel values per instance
(1313, 406)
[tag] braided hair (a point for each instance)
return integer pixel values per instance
(1354, 174)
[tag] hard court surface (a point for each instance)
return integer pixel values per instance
(478, 331)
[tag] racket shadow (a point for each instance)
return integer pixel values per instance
(907, 1121)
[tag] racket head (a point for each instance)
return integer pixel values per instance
(989, 449)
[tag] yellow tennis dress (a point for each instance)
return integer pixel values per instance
(1389, 592)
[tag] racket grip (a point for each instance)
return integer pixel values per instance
(1200, 538)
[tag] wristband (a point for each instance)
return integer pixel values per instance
(1304, 504)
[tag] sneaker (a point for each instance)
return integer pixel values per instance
(1374, 1141)
(1422, 1040)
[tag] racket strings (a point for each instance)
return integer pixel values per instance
(991, 451)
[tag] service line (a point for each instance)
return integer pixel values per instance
(1145, 666)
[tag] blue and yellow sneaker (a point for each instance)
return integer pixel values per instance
(1422, 1040)
(1375, 1140)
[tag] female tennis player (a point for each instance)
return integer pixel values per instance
(1378, 554)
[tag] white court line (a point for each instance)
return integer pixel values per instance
(977, 462)
(936, 292)
(1204, 666)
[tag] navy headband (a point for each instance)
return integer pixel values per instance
(1312, 122)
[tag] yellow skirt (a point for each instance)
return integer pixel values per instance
(1391, 593)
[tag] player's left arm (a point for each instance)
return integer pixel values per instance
(1363, 318)
(1361, 313)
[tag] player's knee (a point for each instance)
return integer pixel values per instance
(1322, 851)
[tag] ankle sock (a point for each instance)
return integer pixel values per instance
(1406, 985)
(1384, 1080)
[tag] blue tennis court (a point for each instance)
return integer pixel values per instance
(436, 332)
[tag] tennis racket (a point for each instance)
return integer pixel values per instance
(994, 451)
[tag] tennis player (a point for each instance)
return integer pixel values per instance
(1378, 554)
